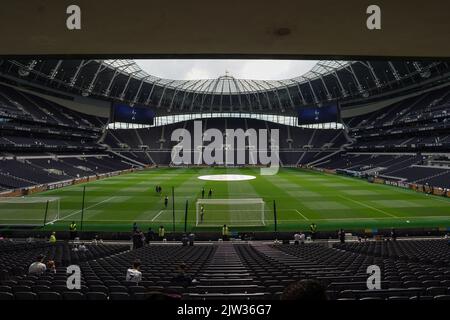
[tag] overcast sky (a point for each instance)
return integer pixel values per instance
(211, 69)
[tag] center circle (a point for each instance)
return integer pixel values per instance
(227, 177)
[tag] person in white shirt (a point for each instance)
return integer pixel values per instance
(82, 248)
(37, 267)
(302, 238)
(296, 238)
(134, 273)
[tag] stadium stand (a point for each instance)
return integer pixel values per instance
(412, 269)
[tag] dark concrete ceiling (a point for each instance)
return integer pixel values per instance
(321, 28)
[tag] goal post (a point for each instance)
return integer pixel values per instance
(232, 212)
(29, 211)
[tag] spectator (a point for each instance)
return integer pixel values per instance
(52, 238)
(161, 233)
(297, 238)
(138, 239)
(37, 267)
(304, 290)
(393, 234)
(341, 235)
(184, 240)
(150, 236)
(134, 273)
(225, 233)
(51, 267)
(182, 278)
(82, 247)
(191, 239)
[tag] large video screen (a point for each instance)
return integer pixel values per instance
(121, 112)
(325, 114)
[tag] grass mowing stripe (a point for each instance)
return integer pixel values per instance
(368, 206)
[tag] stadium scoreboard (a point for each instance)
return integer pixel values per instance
(325, 114)
(121, 112)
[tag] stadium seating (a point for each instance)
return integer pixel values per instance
(411, 269)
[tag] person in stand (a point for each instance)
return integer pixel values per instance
(51, 267)
(393, 234)
(184, 240)
(297, 238)
(313, 229)
(82, 247)
(341, 235)
(182, 278)
(191, 239)
(225, 233)
(137, 239)
(150, 236)
(37, 267)
(203, 192)
(161, 233)
(134, 273)
(302, 238)
(73, 230)
(52, 239)
(166, 201)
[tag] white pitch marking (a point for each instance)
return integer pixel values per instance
(73, 213)
(159, 213)
(302, 215)
(369, 206)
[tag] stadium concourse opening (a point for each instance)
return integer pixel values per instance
(361, 151)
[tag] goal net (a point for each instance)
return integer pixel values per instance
(232, 212)
(28, 211)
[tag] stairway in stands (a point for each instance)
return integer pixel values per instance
(226, 275)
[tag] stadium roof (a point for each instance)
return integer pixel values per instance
(349, 82)
(226, 84)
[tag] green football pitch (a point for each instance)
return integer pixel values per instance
(302, 197)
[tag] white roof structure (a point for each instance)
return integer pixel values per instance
(226, 84)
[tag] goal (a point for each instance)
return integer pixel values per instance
(232, 212)
(29, 211)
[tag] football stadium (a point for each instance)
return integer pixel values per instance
(326, 182)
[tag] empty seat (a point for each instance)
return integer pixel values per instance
(119, 296)
(73, 296)
(49, 296)
(25, 296)
(96, 296)
(6, 296)
(5, 289)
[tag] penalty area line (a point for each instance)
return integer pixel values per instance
(159, 213)
(78, 211)
(369, 206)
(302, 215)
